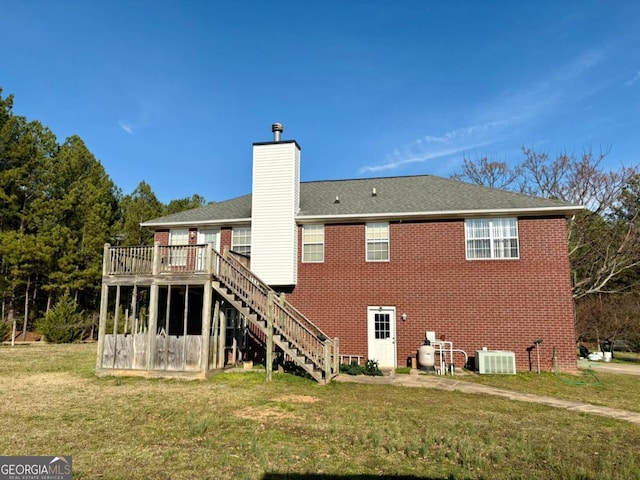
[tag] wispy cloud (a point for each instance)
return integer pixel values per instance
(585, 62)
(520, 108)
(633, 80)
(430, 147)
(141, 114)
(126, 127)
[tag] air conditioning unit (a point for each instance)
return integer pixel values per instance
(495, 362)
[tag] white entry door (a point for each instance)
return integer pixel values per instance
(382, 335)
(211, 235)
(206, 237)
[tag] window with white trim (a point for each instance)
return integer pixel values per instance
(313, 243)
(491, 238)
(378, 242)
(178, 237)
(241, 240)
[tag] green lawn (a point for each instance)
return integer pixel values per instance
(238, 426)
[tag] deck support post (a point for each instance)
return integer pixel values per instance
(167, 317)
(102, 326)
(115, 326)
(214, 336)
(153, 325)
(222, 338)
(234, 340)
(134, 310)
(269, 352)
(184, 325)
(206, 326)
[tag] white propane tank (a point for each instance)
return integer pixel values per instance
(426, 357)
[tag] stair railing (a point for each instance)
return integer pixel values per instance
(288, 322)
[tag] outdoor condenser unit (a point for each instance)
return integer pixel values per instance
(495, 361)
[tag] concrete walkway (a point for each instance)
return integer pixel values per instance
(450, 383)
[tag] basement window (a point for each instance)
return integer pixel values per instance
(491, 238)
(313, 243)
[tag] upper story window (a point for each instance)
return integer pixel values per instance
(491, 238)
(378, 242)
(241, 240)
(313, 243)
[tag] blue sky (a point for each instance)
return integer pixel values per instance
(175, 92)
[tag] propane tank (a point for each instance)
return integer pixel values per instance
(426, 357)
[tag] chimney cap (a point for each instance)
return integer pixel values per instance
(277, 129)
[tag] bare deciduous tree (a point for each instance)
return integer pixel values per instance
(604, 245)
(490, 173)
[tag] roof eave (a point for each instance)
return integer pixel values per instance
(199, 223)
(566, 211)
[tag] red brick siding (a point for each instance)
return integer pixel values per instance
(225, 238)
(498, 304)
(161, 236)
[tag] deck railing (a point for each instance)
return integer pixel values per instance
(128, 260)
(155, 259)
(288, 322)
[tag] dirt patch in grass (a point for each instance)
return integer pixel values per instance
(260, 414)
(48, 379)
(298, 399)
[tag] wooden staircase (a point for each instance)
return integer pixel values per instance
(273, 319)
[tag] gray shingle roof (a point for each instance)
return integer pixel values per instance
(236, 209)
(410, 196)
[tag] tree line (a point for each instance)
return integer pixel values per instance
(604, 238)
(58, 207)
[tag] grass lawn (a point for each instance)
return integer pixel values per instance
(238, 426)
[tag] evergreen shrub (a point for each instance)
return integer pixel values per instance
(63, 323)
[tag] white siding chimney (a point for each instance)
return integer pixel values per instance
(275, 203)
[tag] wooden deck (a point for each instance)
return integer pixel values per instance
(163, 349)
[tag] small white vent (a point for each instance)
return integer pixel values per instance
(495, 361)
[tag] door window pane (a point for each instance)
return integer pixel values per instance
(382, 325)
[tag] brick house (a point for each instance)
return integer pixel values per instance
(379, 262)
